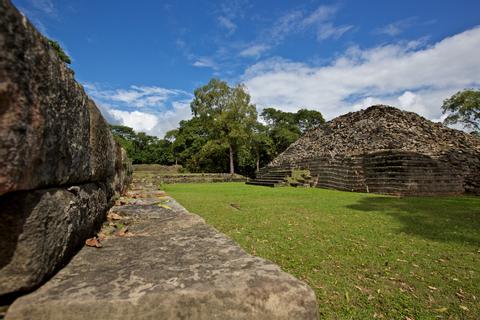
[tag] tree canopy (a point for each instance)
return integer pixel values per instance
(463, 107)
(284, 128)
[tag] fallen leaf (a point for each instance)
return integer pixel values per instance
(114, 216)
(464, 308)
(164, 206)
(122, 232)
(432, 288)
(101, 236)
(441, 310)
(93, 242)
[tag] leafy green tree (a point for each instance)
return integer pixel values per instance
(286, 127)
(227, 113)
(463, 107)
(308, 119)
(187, 142)
(60, 52)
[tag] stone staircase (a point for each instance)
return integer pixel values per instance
(271, 178)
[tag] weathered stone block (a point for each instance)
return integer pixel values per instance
(51, 136)
(51, 133)
(40, 230)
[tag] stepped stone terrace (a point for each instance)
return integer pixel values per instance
(385, 150)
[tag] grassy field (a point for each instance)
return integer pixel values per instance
(366, 256)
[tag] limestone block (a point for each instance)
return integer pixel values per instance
(40, 230)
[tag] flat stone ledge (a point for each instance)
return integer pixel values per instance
(169, 265)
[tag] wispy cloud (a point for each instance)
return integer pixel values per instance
(45, 6)
(205, 63)
(322, 14)
(395, 28)
(321, 20)
(406, 74)
(136, 96)
(328, 30)
(151, 109)
(254, 50)
(227, 24)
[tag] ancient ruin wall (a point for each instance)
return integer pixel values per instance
(385, 150)
(60, 165)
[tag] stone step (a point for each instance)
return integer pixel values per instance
(275, 180)
(263, 183)
(169, 265)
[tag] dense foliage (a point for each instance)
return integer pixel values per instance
(224, 134)
(142, 148)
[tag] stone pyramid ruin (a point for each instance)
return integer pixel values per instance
(385, 150)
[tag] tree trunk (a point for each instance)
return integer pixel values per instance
(232, 170)
(258, 161)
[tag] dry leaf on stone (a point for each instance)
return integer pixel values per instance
(93, 242)
(122, 232)
(164, 206)
(114, 216)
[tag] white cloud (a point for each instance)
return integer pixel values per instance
(140, 121)
(321, 14)
(205, 63)
(296, 21)
(227, 24)
(408, 75)
(328, 30)
(161, 108)
(135, 96)
(397, 27)
(254, 50)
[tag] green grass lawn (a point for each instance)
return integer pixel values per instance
(366, 256)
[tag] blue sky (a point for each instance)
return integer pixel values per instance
(141, 60)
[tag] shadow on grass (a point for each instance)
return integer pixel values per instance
(447, 219)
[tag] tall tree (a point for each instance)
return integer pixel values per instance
(228, 113)
(463, 107)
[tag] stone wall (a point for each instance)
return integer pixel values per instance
(385, 150)
(61, 168)
(388, 172)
